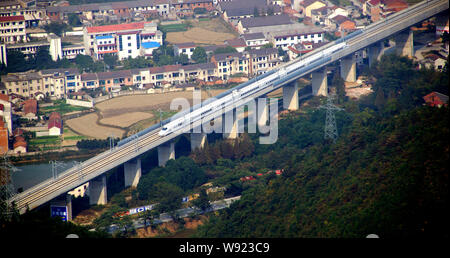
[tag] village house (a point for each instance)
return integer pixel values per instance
(233, 11)
(54, 124)
(307, 6)
(286, 38)
(264, 24)
(229, 64)
(29, 108)
(262, 60)
(255, 40)
(436, 99)
(184, 48)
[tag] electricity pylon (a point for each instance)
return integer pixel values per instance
(330, 130)
(6, 189)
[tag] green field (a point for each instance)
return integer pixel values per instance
(61, 107)
(173, 27)
(45, 140)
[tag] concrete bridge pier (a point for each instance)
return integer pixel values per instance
(290, 96)
(262, 112)
(132, 172)
(230, 124)
(348, 68)
(319, 82)
(166, 151)
(198, 140)
(404, 43)
(375, 51)
(97, 191)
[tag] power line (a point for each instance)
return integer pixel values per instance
(6, 188)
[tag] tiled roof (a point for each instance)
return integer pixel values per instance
(266, 21)
(11, 18)
(116, 27)
(251, 36)
(164, 69)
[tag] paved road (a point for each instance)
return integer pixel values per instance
(182, 213)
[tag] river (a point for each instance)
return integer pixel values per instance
(26, 176)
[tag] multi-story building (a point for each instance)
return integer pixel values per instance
(230, 64)
(26, 84)
(180, 5)
(262, 60)
(72, 78)
(12, 29)
(255, 40)
(166, 74)
(71, 51)
(104, 45)
(287, 38)
(95, 11)
(54, 83)
(123, 40)
(204, 72)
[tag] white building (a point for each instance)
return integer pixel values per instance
(104, 45)
(124, 40)
(255, 40)
(284, 39)
(12, 29)
(184, 48)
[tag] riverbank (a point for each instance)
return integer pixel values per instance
(40, 157)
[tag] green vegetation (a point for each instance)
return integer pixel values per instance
(387, 173)
(61, 107)
(173, 27)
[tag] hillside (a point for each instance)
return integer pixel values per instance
(387, 174)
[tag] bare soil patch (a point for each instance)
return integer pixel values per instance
(87, 125)
(127, 119)
(209, 32)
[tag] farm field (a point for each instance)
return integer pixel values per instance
(203, 32)
(126, 119)
(87, 125)
(129, 114)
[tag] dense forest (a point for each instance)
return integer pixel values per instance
(387, 174)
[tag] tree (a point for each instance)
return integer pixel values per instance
(58, 28)
(168, 195)
(84, 63)
(16, 62)
(182, 59)
(110, 60)
(202, 202)
(74, 20)
(223, 50)
(199, 55)
(43, 60)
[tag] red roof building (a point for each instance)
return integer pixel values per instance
(30, 107)
(116, 27)
(436, 99)
(12, 18)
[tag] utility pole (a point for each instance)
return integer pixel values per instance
(55, 165)
(111, 142)
(160, 116)
(330, 131)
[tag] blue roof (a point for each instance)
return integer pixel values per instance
(104, 37)
(150, 44)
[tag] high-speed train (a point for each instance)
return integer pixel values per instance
(264, 81)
